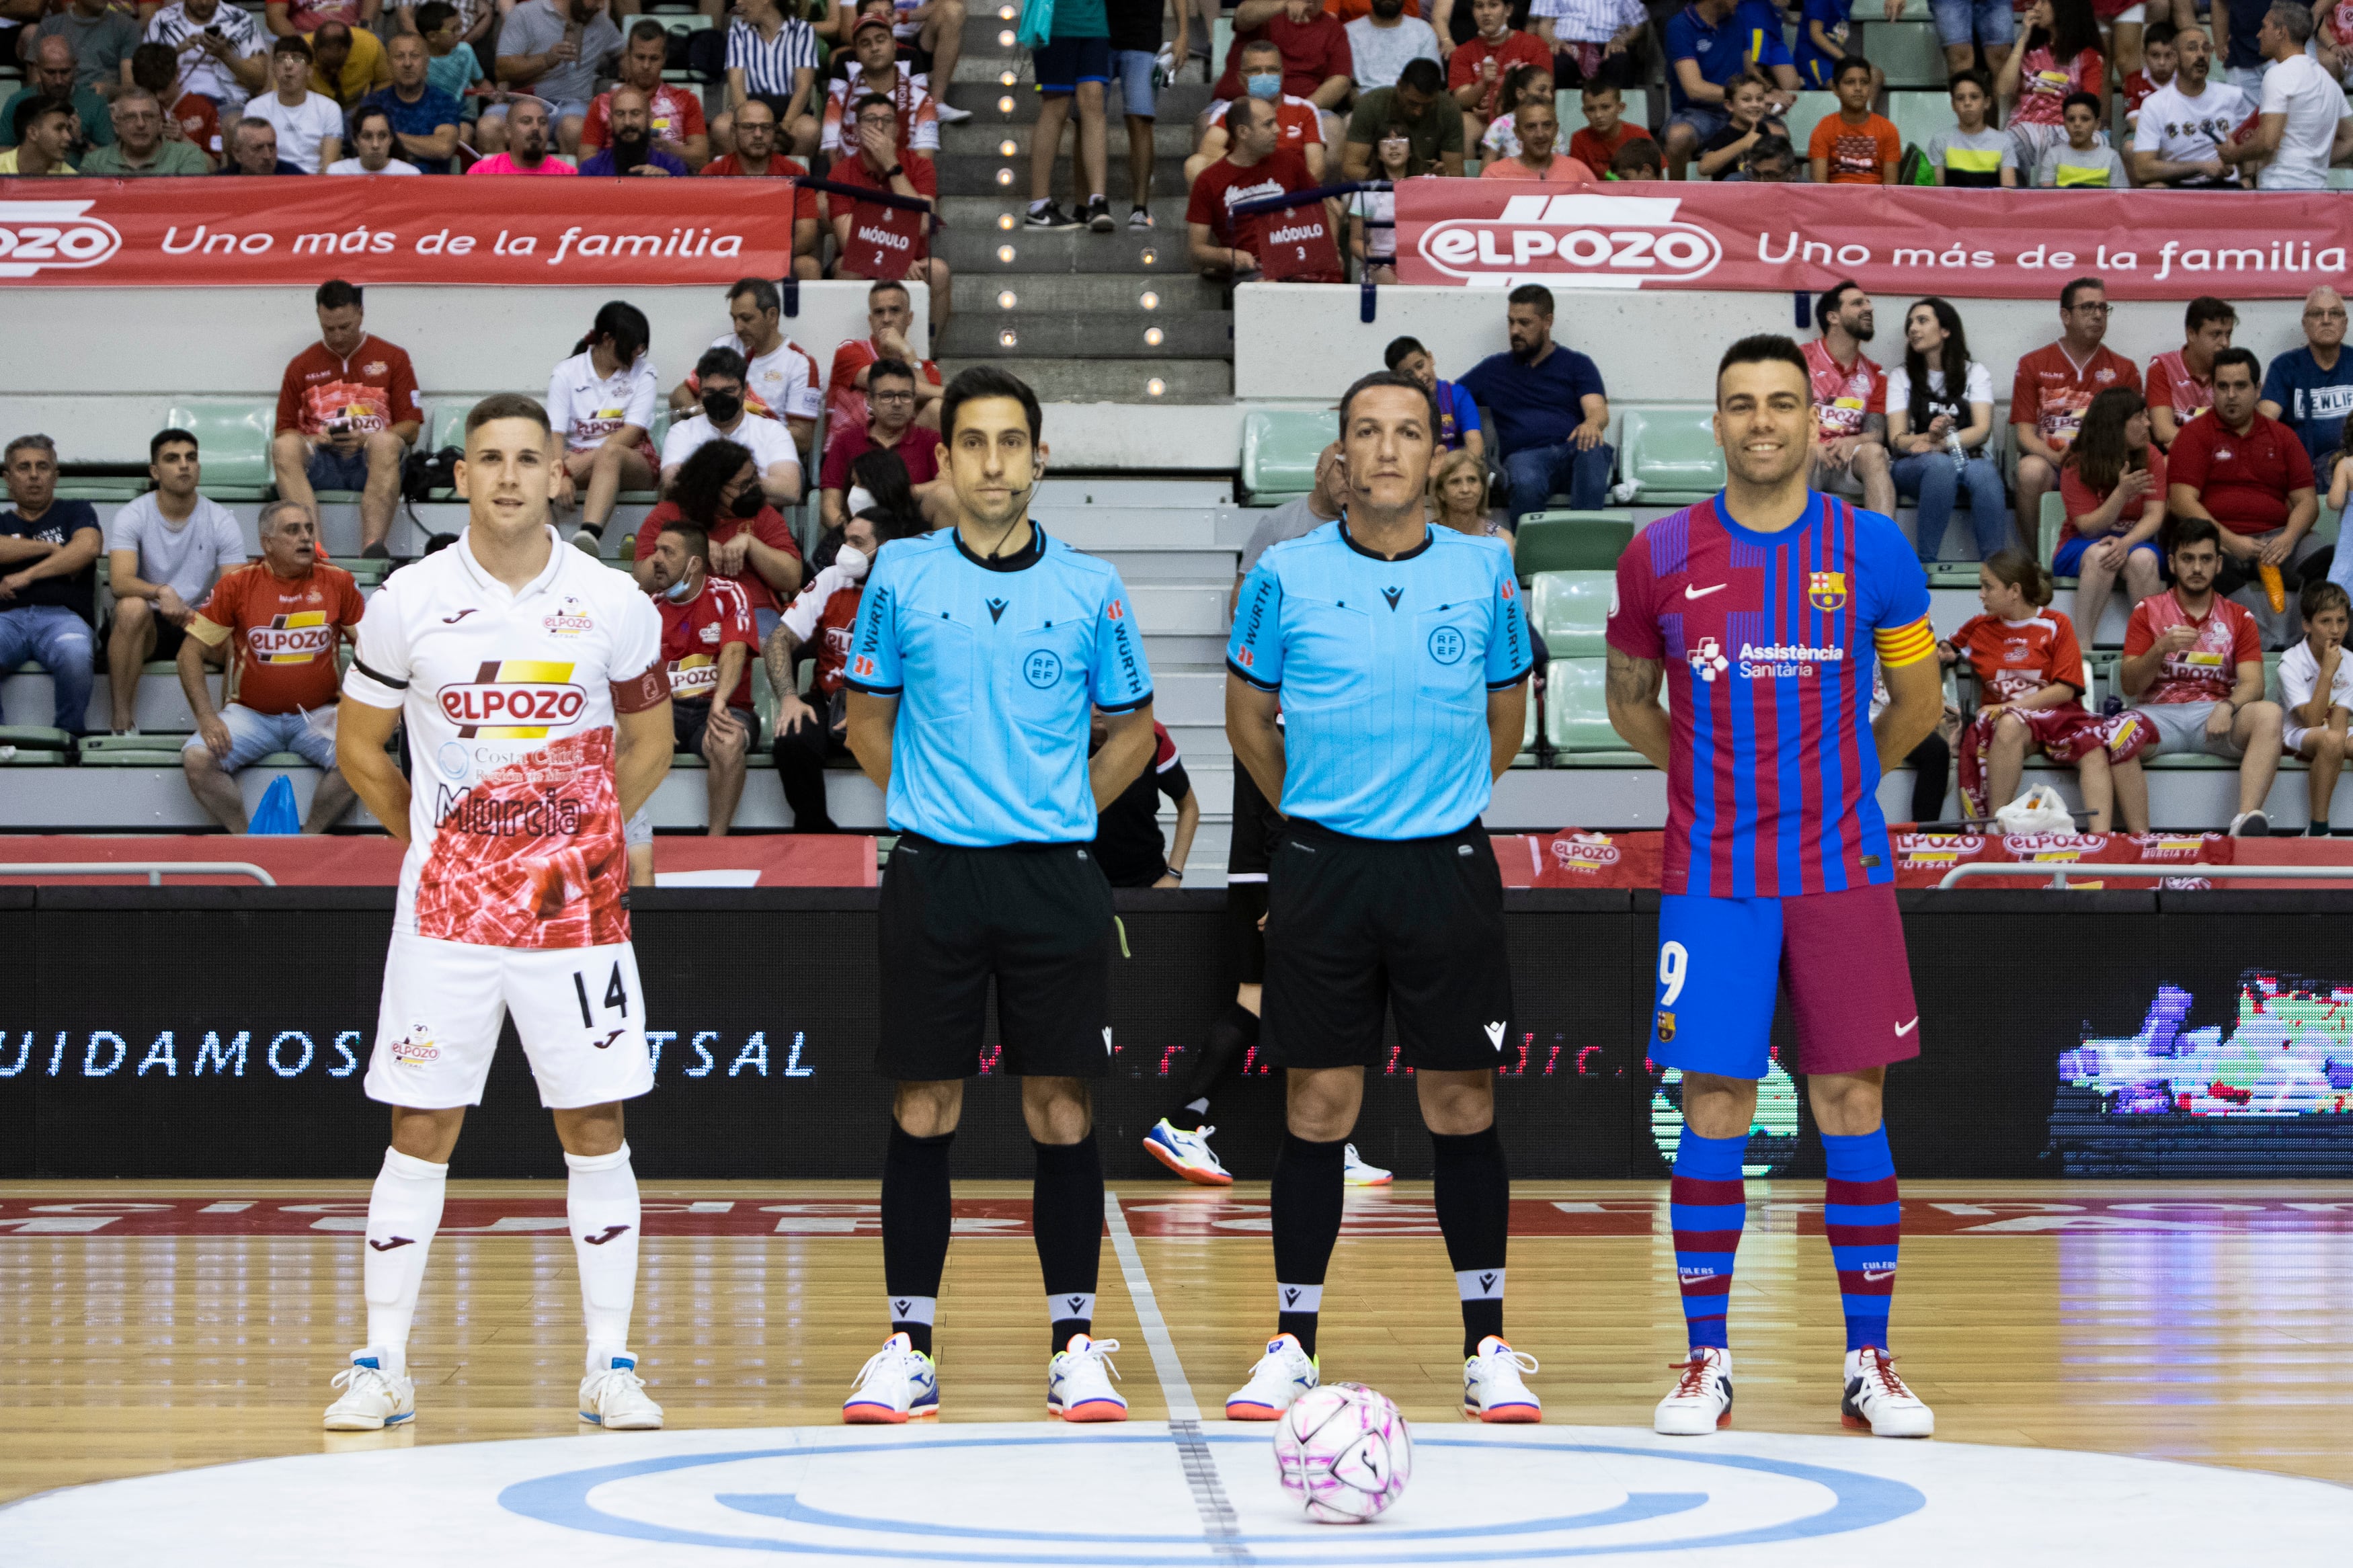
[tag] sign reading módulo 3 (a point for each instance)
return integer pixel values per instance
(381, 229)
(2147, 244)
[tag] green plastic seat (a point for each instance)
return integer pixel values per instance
(291, 759)
(93, 746)
(444, 426)
(149, 753)
(1571, 612)
(1571, 542)
(35, 738)
(1907, 53)
(1810, 110)
(684, 22)
(1670, 454)
(1280, 447)
(101, 487)
(1919, 116)
(233, 436)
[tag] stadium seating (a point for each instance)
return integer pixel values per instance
(1810, 110)
(1280, 447)
(1918, 116)
(1570, 611)
(34, 746)
(1572, 541)
(1669, 453)
(1576, 717)
(1907, 53)
(233, 434)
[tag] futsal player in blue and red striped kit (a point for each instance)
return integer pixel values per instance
(1764, 610)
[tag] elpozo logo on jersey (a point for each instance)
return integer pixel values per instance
(297, 639)
(1593, 242)
(513, 699)
(39, 236)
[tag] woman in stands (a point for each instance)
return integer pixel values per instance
(2060, 56)
(602, 402)
(717, 489)
(1522, 85)
(2029, 674)
(1458, 496)
(878, 484)
(1939, 417)
(2112, 488)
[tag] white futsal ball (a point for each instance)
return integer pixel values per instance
(1345, 1452)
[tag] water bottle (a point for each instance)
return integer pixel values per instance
(1960, 454)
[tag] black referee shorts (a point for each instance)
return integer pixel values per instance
(1257, 829)
(1416, 924)
(1037, 918)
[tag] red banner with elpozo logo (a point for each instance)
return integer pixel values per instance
(1580, 857)
(2147, 244)
(173, 233)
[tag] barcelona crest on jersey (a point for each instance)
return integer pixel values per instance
(1826, 590)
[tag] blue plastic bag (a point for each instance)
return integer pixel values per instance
(275, 814)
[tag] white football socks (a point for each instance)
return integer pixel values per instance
(602, 1204)
(403, 1211)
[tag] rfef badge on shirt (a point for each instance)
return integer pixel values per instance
(1385, 666)
(996, 664)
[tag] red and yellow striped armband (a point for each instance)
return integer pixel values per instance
(1900, 646)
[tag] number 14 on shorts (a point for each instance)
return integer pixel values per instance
(617, 998)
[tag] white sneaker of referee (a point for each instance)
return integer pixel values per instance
(1491, 1389)
(1078, 1381)
(1283, 1373)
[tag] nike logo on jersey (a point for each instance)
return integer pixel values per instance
(1496, 1035)
(1393, 596)
(453, 620)
(1692, 593)
(609, 1232)
(395, 1241)
(996, 611)
(1878, 1274)
(1904, 1029)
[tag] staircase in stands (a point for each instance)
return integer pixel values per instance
(1083, 317)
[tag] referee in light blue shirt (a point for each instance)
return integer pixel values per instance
(978, 656)
(1397, 654)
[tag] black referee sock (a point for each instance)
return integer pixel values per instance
(1066, 1216)
(1231, 1038)
(1474, 1213)
(915, 1222)
(1306, 1203)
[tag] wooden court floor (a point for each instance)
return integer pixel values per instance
(157, 1326)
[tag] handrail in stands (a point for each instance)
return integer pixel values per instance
(153, 870)
(2058, 873)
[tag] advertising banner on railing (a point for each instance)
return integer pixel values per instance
(1908, 240)
(381, 229)
(1579, 857)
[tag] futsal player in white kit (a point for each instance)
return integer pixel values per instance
(531, 680)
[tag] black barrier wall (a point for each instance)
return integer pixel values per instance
(223, 1032)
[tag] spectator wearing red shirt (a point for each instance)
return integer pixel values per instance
(1317, 64)
(755, 157)
(2193, 669)
(2058, 57)
(347, 412)
(1255, 167)
(285, 615)
(2113, 490)
(1850, 398)
(2251, 476)
(2181, 381)
(890, 310)
(716, 493)
(2158, 63)
(891, 393)
(1605, 129)
(878, 166)
(189, 117)
(707, 645)
(813, 727)
(674, 113)
(1300, 126)
(2054, 386)
(1854, 146)
(1475, 70)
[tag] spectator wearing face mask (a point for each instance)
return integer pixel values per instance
(1313, 46)
(721, 372)
(717, 492)
(812, 727)
(890, 394)
(1298, 123)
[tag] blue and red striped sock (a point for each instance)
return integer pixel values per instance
(1865, 1223)
(1708, 1207)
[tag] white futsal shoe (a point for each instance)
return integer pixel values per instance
(376, 1394)
(1078, 1381)
(614, 1395)
(897, 1385)
(1702, 1400)
(1281, 1376)
(1876, 1399)
(1187, 1153)
(1491, 1389)
(1358, 1173)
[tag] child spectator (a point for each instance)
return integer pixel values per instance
(2030, 672)
(1606, 128)
(190, 116)
(1854, 146)
(2085, 162)
(2112, 485)
(1720, 156)
(1372, 215)
(1772, 162)
(2158, 62)
(1973, 153)
(1822, 41)
(1526, 84)
(1638, 160)
(2316, 693)
(2060, 56)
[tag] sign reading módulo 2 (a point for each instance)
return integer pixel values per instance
(381, 229)
(2147, 244)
